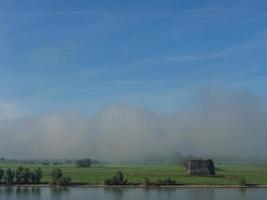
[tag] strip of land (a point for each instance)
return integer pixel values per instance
(226, 175)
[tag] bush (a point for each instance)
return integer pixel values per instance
(166, 181)
(58, 178)
(36, 175)
(242, 182)
(9, 176)
(1, 174)
(64, 181)
(146, 182)
(118, 179)
(159, 182)
(25, 176)
(22, 175)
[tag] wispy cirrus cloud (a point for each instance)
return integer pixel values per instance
(206, 56)
(218, 54)
(66, 12)
(202, 12)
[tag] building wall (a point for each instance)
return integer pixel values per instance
(200, 167)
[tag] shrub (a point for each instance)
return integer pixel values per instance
(159, 182)
(22, 175)
(146, 182)
(166, 181)
(169, 181)
(118, 179)
(64, 181)
(9, 176)
(36, 175)
(242, 182)
(58, 179)
(1, 174)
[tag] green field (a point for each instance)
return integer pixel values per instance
(226, 174)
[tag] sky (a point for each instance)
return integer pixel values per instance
(162, 56)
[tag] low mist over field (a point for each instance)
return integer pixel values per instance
(218, 122)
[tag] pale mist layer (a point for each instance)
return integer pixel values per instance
(219, 122)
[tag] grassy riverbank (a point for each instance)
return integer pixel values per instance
(97, 174)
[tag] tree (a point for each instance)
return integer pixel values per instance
(242, 182)
(18, 174)
(64, 181)
(118, 179)
(33, 177)
(9, 176)
(84, 162)
(38, 173)
(58, 179)
(22, 175)
(26, 174)
(55, 174)
(146, 182)
(1, 174)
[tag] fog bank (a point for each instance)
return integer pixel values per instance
(219, 122)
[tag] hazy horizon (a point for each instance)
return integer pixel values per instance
(220, 122)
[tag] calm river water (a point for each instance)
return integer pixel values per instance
(79, 193)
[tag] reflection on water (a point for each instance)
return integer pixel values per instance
(116, 193)
(81, 193)
(59, 192)
(7, 190)
(243, 192)
(201, 194)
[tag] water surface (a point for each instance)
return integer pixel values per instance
(79, 193)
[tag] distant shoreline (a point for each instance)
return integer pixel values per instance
(228, 176)
(141, 186)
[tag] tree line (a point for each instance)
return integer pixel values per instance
(84, 162)
(21, 175)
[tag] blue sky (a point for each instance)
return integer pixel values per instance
(58, 56)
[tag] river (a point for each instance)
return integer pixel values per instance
(84, 193)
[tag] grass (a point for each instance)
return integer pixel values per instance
(97, 174)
